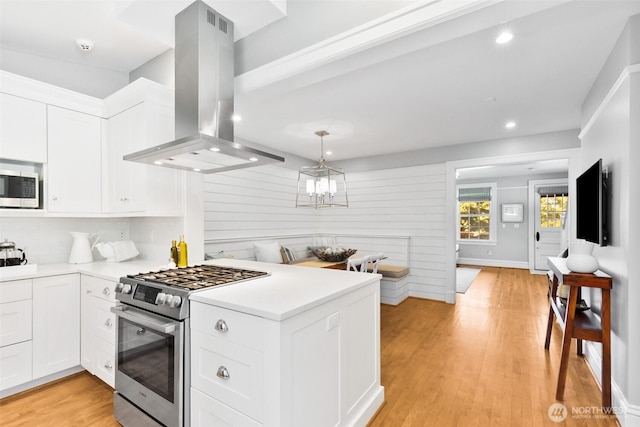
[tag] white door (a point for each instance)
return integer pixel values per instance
(550, 204)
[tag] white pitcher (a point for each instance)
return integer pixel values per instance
(82, 247)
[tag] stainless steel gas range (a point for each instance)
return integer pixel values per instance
(152, 335)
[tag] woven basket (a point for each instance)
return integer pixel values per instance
(334, 257)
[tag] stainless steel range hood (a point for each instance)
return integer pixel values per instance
(204, 73)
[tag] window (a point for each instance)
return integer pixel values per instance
(553, 205)
(476, 212)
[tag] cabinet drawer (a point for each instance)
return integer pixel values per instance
(105, 366)
(16, 365)
(15, 290)
(15, 322)
(206, 411)
(104, 321)
(104, 289)
(240, 328)
(242, 389)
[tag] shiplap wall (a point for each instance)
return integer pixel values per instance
(404, 204)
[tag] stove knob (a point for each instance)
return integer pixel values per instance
(169, 300)
(119, 287)
(126, 289)
(176, 301)
(161, 298)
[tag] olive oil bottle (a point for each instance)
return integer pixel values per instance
(183, 258)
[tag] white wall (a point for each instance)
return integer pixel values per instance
(512, 239)
(255, 202)
(393, 202)
(611, 132)
(403, 201)
(48, 240)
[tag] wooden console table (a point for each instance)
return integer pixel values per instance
(580, 325)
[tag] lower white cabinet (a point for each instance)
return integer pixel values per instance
(207, 411)
(15, 333)
(56, 324)
(16, 362)
(98, 327)
(318, 368)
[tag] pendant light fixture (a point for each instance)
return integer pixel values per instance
(321, 186)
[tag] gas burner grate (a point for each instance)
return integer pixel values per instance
(198, 277)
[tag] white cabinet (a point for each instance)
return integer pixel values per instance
(16, 364)
(98, 325)
(139, 117)
(74, 177)
(56, 324)
(23, 129)
(318, 368)
(15, 333)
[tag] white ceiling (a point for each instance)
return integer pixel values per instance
(428, 83)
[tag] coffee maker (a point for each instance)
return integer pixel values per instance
(10, 255)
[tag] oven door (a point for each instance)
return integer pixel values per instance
(150, 365)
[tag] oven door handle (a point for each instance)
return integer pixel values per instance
(152, 322)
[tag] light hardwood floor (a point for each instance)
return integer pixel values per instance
(480, 362)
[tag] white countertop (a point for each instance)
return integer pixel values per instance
(103, 270)
(288, 291)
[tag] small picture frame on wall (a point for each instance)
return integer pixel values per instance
(512, 212)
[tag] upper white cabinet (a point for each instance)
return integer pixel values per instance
(56, 324)
(140, 116)
(23, 129)
(74, 178)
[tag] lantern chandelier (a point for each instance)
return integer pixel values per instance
(321, 186)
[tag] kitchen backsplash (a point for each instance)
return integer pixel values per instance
(48, 240)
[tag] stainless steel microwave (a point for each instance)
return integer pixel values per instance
(19, 189)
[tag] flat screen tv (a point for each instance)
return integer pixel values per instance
(591, 202)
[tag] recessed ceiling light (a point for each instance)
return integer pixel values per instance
(214, 149)
(504, 37)
(236, 118)
(510, 125)
(157, 162)
(329, 152)
(196, 170)
(253, 159)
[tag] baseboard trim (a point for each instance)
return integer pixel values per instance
(494, 263)
(628, 414)
(40, 381)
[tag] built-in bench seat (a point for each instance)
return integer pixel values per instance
(394, 285)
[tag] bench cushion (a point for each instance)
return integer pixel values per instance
(393, 271)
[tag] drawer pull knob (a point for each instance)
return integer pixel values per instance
(106, 290)
(223, 373)
(108, 323)
(108, 365)
(221, 326)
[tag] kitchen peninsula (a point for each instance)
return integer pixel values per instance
(299, 347)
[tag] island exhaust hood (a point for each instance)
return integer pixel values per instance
(204, 73)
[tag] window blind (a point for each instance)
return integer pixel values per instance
(554, 190)
(474, 194)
